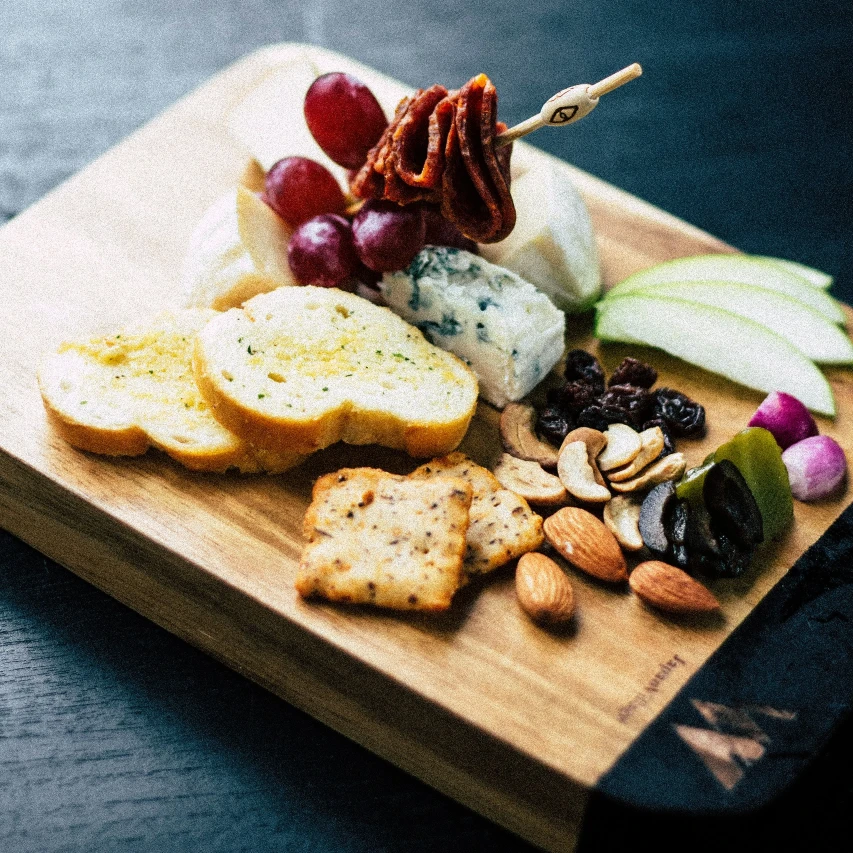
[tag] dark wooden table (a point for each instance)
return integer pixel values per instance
(115, 735)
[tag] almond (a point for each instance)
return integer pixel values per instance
(543, 590)
(668, 588)
(586, 543)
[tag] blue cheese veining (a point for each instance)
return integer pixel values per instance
(508, 332)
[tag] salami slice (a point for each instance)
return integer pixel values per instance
(440, 148)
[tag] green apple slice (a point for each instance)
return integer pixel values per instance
(718, 341)
(817, 278)
(810, 332)
(738, 268)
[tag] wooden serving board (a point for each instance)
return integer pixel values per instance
(517, 723)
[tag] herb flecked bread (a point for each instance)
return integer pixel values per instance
(122, 393)
(303, 367)
(382, 539)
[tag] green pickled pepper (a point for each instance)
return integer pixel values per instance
(690, 486)
(759, 458)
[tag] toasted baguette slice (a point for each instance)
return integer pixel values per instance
(303, 367)
(121, 394)
(378, 538)
(502, 525)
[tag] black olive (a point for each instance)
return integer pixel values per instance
(675, 525)
(732, 506)
(653, 514)
(735, 560)
(710, 550)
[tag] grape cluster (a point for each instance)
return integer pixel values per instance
(586, 399)
(329, 248)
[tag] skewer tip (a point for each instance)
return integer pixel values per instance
(614, 81)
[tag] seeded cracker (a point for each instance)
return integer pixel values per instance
(377, 538)
(502, 525)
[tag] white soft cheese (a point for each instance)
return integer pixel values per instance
(552, 245)
(508, 332)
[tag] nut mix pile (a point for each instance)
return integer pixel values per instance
(617, 453)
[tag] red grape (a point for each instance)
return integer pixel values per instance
(297, 188)
(365, 275)
(442, 232)
(321, 251)
(387, 236)
(344, 118)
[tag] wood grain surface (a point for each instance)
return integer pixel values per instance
(118, 736)
(213, 558)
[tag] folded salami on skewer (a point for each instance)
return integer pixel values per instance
(440, 148)
(448, 148)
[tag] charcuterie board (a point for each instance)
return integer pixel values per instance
(518, 723)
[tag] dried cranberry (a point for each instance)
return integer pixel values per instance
(636, 402)
(584, 367)
(668, 440)
(682, 415)
(632, 371)
(553, 425)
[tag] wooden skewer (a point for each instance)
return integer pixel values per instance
(614, 81)
(570, 105)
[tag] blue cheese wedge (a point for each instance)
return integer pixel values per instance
(508, 332)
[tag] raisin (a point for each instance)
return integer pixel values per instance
(682, 415)
(553, 424)
(575, 396)
(668, 440)
(632, 371)
(584, 367)
(593, 417)
(635, 401)
(600, 417)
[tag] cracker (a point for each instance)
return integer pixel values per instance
(378, 538)
(502, 525)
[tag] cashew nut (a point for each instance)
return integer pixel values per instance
(622, 517)
(623, 444)
(669, 468)
(595, 441)
(529, 480)
(519, 438)
(576, 474)
(651, 444)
